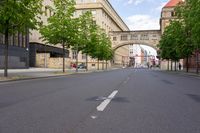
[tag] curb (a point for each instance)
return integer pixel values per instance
(183, 73)
(53, 76)
(31, 78)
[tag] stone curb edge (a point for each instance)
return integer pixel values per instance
(54, 76)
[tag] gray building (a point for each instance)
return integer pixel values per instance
(18, 51)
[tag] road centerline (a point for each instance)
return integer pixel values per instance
(103, 105)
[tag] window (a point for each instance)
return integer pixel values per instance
(16, 40)
(134, 37)
(74, 54)
(45, 11)
(19, 39)
(82, 1)
(94, 12)
(84, 11)
(50, 12)
(173, 14)
(114, 38)
(144, 37)
(83, 56)
(94, 22)
(154, 35)
(75, 13)
(124, 37)
(23, 41)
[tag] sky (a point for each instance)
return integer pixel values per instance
(140, 15)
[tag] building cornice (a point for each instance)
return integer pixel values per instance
(115, 17)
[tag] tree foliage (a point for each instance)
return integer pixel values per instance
(181, 37)
(61, 27)
(17, 16)
(80, 33)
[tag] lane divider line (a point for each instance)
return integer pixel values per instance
(103, 105)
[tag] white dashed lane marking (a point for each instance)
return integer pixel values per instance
(103, 105)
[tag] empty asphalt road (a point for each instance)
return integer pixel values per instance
(118, 101)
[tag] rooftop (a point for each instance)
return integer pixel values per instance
(172, 3)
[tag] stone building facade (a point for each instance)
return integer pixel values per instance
(104, 15)
(38, 54)
(107, 18)
(168, 14)
(42, 54)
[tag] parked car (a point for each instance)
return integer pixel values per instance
(81, 66)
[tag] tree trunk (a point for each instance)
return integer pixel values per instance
(168, 65)
(103, 65)
(77, 61)
(63, 57)
(175, 66)
(98, 65)
(106, 65)
(6, 54)
(171, 65)
(86, 62)
(187, 64)
(197, 62)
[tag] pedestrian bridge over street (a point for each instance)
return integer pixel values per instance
(144, 37)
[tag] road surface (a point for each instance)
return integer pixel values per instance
(119, 101)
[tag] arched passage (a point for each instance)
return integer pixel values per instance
(145, 37)
(145, 54)
(124, 44)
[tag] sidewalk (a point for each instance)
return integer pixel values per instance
(32, 73)
(183, 72)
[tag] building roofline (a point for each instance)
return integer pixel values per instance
(117, 14)
(154, 30)
(172, 3)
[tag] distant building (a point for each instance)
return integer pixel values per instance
(168, 13)
(108, 19)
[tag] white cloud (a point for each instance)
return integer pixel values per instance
(135, 2)
(142, 22)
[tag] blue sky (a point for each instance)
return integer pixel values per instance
(139, 14)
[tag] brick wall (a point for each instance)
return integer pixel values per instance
(51, 62)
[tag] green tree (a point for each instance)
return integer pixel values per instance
(82, 40)
(103, 50)
(88, 31)
(61, 27)
(17, 16)
(193, 16)
(188, 12)
(172, 41)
